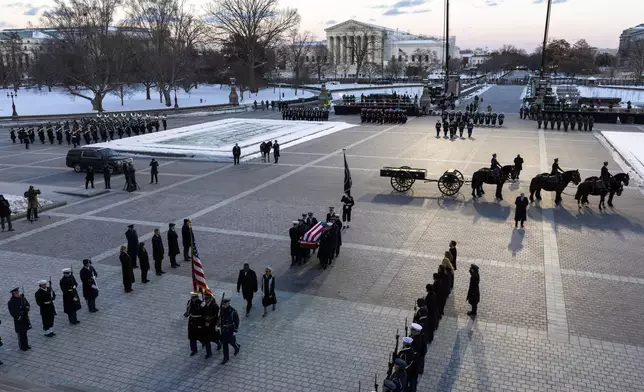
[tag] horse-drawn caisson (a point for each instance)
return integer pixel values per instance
(403, 177)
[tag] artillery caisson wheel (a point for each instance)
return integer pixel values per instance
(450, 183)
(402, 181)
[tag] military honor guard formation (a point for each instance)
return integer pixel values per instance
(99, 129)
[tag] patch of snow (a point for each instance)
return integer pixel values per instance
(630, 146)
(344, 86)
(635, 96)
(214, 140)
(40, 102)
(18, 204)
(523, 93)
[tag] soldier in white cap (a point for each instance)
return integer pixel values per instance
(71, 301)
(420, 350)
(45, 297)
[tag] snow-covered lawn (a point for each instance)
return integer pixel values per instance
(630, 146)
(41, 102)
(344, 86)
(18, 204)
(215, 140)
(635, 96)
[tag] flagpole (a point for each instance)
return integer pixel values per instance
(192, 260)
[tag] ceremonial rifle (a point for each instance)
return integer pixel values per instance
(406, 329)
(51, 295)
(375, 382)
(394, 354)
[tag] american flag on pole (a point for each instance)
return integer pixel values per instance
(199, 283)
(347, 174)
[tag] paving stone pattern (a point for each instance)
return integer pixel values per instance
(335, 327)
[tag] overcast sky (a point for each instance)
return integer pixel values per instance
(475, 23)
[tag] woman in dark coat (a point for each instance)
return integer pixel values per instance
(268, 290)
(144, 262)
(157, 252)
(473, 293)
(521, 211)
(126, 269)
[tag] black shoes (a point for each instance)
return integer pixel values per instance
(50, 335)
(237, 349)
(225, 361)
(193, 353)
(208, 355)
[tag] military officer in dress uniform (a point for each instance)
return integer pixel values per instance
(45, 297)
(211, 322)
(605, 175)
(71, 300)
(438, 128)
(229, 322)
(19, 310)
(194, 312)
(399, 376)
(556, 170)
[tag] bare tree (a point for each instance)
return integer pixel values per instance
(250, 27)
(358, 48)
(171, 33)
(371, 69)
(16, 60)
(394, 68)
(635, 58)
(321, 60)
(296, 51)
(89, 55)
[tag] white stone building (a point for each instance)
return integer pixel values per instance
(383, 45)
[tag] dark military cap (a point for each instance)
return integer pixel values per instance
(130, 226)
(17, 289)
(225, 301)
(474, 267)
(171, 225)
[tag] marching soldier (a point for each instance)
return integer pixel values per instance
(573, 121)
(229, 321)
(347, 206)
(19, 310)
(71, 302)
(50, 134)
(211, 322)
(12, 135)
(45, 297)
(585, 123)
(591, 123)
(566, 122)
(580, 121)
(501, 119)
(539, 120)
(552, 121)
(41, 135)
(438, 128)
(59, 136)
(194, 313)
(461, 127)
(558, 118)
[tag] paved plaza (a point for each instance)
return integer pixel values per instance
(560, 302)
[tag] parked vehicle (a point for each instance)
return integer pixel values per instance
(80, 158)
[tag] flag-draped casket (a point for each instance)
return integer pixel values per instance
(311, 237)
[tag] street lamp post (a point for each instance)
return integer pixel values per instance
(176, 102)
(545, 40)
(13, 104)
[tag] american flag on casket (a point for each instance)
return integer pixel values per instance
(311, 237)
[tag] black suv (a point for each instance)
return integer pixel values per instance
(97, 157)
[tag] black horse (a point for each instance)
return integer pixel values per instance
(553, 183)
(484, 176)
(595, 187)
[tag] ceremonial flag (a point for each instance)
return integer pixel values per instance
(347, 174)
(199, 283)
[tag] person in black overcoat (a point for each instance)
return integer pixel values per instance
(19, 309)
(247, 283)
(186, 239)
(325, 249)
(422, 317)
(71, 300)
(521, 211)
(453, 252)
(441, 289)
(268, 290)
(518, 166)
(90, 290)
(276, 151)
(157, 252)
(126, 269)
(473, 293)
(337, 227)
(211, 322)
(173, 246)
(431, 302)
(144, 260)
(295, 242)
(132, 244)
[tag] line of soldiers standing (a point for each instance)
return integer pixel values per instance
(408, 364)
(383, 116)
(101, 128)
(305, 114)
(583, 122)
(453, 121)
(45, 296)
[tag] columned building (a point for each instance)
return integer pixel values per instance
(378, 44)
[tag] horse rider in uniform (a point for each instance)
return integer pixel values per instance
(605, 175)
(495, 167)
(556, 170)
